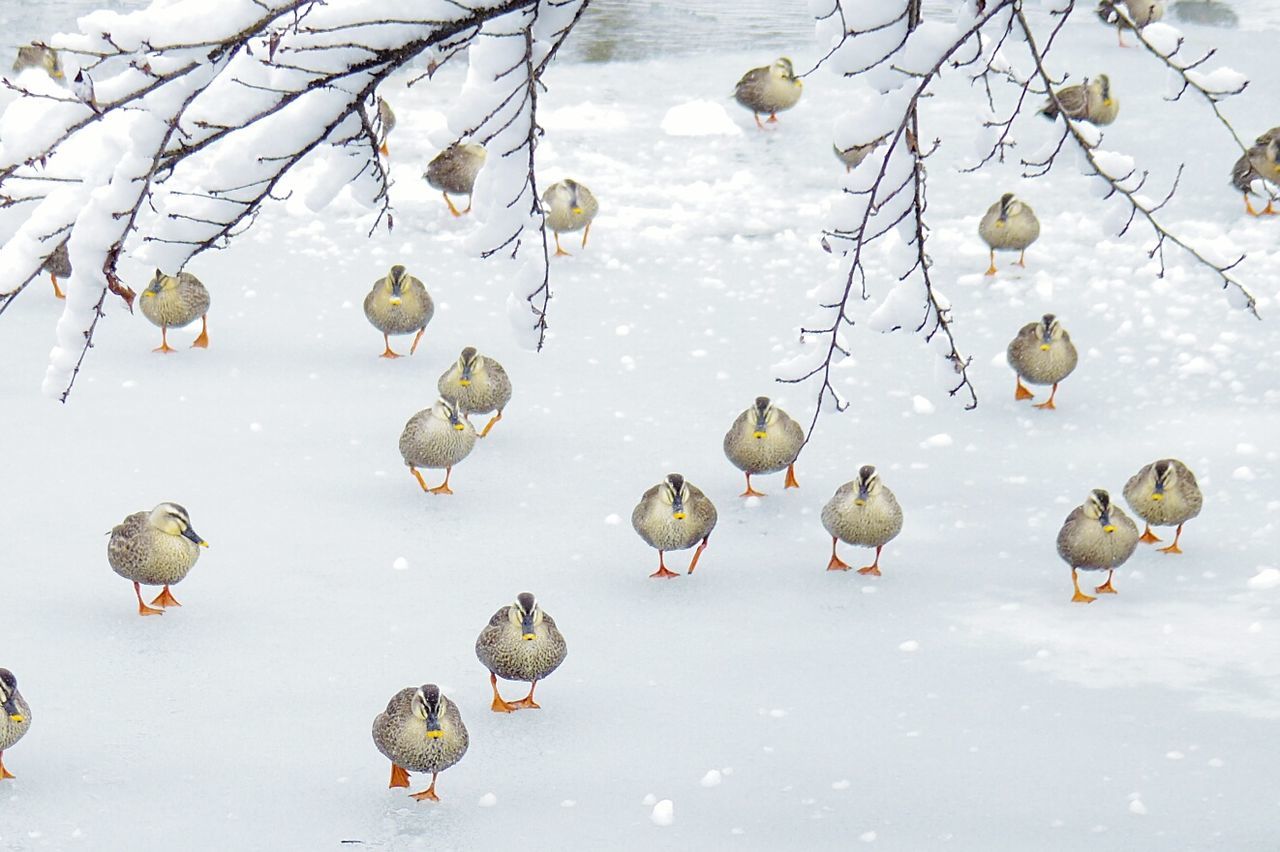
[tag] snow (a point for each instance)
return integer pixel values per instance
(663, 813)
(244, 717)
(699, 118)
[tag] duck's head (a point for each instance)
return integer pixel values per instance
(1009, 206)
(1273, 154)
(573, 192)
(1048, 330)
(447, 410)
(526, 615)
(1163, 476)
(470, 364)
(52, 63)
(675, 493)
(429, 705)
(9, 696)
(868, 484)
(1104, 88)
(394, 282)
(783, 68)
(1098, 507)
(764, 414)
(172, 519)
(160, 283)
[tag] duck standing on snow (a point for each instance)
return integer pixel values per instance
(1164, 493)
(1261, 162)
(399, 304)
(521, 642)
(764, 439)
(1009, 225)
(454, 170)
(36, 55)
(58, 265)
(853, 156)
(420, 731)
(1136, 15)
(1089, 101)
(674, 515)
(770, 89)
(1096, 536)
(570, 207)
(1043, 354)
(862, 512)
(173, 302)
(436, 437)
(477, 384)
(15, 716)
(156, 548)
(386, 123)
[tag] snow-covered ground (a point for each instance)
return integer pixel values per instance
(960, 701)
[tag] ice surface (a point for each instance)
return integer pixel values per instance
(241, 721)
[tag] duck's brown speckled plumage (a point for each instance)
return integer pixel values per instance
(431, 438)
(173, 301)
(758, 450)
(1091, 101)
(39, 56)
(403, 733)
(59, 262)
(1262, 161)
(653, 519)
(1034, 363)
(455, 168)
(1164, 493)
(1084, 541)
(504, 650)
(560, 201)
(15, 716)
(874, 523)
(771, 88)
(412, 314)
(488, 387)
(142, 552)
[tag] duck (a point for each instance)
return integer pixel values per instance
(1164, 493)
(1043, 354)
(36, 55)
(173, 301)
(454, 170)
(674, 515)
(862, 512)
(1137, 14)
(520, 642)
(15, 720)
(770, 88)
(386, 123)
(1009, 225)
(1096, 536)
(1260, 162)
(570, 207)
(58, 265)
(156, 548)
(437, 437)
(1091, 101)
(420, 731)
(477, 384)
(399, 304)
(764, 439)
(853, 156)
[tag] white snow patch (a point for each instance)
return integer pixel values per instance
(664, 813)
(867, 837)
(1244, 474)
(613, 519)
(712, 778)
(699, 118)
(1266, 578)
(488, 800)
(922, 406)
(942, 439)
(909, 646)
(400, 564)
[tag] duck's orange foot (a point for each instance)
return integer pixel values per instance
(1021, 392)
(428, 795)
(143, 609)
(1106, 589)
(663, 572)
(837, 564)
(165, 598)
(442, 488)
(163, 347)
(1148, 537)
(1048, 404)
(991, 270)
(399, 776)
(873, 570)
(1173, 548)
(500, 706)
(1081, 597)
(791, 482)
(526, 703)
(389, 354)
(751, 492)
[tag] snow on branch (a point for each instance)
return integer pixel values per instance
(879, 223)
(189, 118)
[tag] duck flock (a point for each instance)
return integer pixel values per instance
(422, 730)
